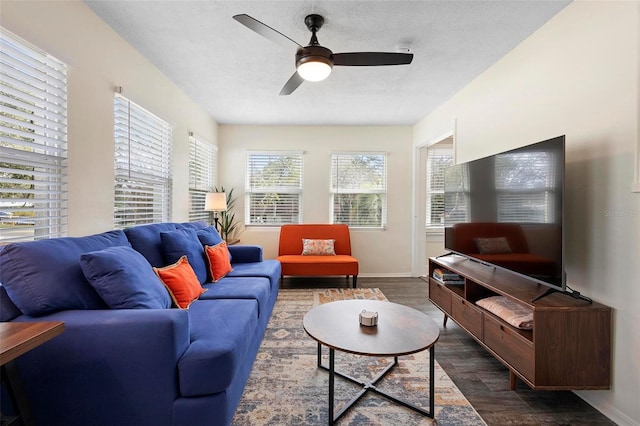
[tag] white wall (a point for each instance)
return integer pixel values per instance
(380, 252)
(578, 76)
(98, 60)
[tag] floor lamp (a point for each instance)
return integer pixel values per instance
(216, 202)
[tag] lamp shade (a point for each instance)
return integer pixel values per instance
(215, 201)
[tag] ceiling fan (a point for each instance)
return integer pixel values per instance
(314, 62)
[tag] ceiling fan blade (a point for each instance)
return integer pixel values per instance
(368, 59)
(266, 31)
(292, 84)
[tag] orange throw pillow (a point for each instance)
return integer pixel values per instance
(181, 281)
(218, 259)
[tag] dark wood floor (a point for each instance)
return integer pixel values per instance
(483, 380)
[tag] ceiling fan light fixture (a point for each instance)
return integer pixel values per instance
(314, 68)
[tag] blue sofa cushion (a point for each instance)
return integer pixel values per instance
(268, 268)
(196, 226)
(45, 276)
(8, 310)
(184, 242)
(124, 279)
(221, 332)
(256, 288)
(146, 240)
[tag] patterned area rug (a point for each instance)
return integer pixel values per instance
(287, 388)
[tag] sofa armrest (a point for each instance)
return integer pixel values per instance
(125, 359)
(245, 254)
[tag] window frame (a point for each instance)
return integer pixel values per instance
(382, 190)
(143, 160)
(33, 94)
(293, 189)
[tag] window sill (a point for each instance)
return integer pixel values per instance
(434, 230)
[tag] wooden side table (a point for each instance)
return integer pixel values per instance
(17, 338)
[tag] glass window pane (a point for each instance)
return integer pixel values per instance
(358, 186)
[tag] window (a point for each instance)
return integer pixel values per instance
(525, 184)
(33, 142)
(273, 188)
(439, 157)
(359, 189)
(142, 166)
(203, 163)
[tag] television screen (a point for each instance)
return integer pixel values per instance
(506, 210)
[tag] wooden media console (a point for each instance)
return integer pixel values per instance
(569, 347)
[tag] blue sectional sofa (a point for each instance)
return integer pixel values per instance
(140, 365)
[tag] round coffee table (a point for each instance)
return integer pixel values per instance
(400, 331)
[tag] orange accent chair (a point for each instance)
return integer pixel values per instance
(295, 264)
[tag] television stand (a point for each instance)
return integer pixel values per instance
(569, 347)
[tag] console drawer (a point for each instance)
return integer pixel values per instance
(467, 315)
(440, 295)
(509, 345)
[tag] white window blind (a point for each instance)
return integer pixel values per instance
(456, 194)
(142, 166)
(273, 188)
(525, 183)
(359, 189)
(203, 163)
(33, 142)
(439, 157)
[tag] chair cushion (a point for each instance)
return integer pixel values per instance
(184, 242)
(221, 332)
(124, 279)
(45, 276)
(318, 265)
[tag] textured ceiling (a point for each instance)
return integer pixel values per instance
(236, 75)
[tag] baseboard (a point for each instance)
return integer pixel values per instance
(386, 275)
(607, 409)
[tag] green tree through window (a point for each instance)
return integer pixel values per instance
(274, 188)
(358, 186)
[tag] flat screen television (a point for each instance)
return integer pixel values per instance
(506, 211)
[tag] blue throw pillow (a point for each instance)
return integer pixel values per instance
(124, 279)
(44, 276)
(210, 237)
(181, 242)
